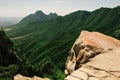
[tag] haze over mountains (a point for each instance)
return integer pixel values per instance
(44, 40)
(8, 21)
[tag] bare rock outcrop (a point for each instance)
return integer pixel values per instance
(20, 77)
(88, 45)
(102, 67)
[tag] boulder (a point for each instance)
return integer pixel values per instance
(88, 45)
(20, 77)
(94, 56)
(102, 67)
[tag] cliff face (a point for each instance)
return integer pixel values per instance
(10, 63)
(8, 53)
(85, 63)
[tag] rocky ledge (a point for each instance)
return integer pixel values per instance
(84, 63)
(20, 77)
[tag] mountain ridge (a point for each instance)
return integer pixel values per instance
(39, 16)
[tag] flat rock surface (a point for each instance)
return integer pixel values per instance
(109, 61)
(99, 40)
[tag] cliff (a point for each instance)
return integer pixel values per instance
(10, 62)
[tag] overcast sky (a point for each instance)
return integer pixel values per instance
(21, 8)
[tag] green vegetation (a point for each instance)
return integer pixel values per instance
(45, 44)
(9, 62)
(9, 71)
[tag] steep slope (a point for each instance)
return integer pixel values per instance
(52, 39)
(48, 34)
(6, 51)
(104, 20)
(10, 62)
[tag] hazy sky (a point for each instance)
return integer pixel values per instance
(21, 8)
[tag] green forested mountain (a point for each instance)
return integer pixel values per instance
(45, 43)
(38, 16)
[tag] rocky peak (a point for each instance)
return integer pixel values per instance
(39, 16)
(39, 12)
(88, 45)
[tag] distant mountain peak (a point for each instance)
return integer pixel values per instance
(40, 12)
(53, 14)
(39, 16)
